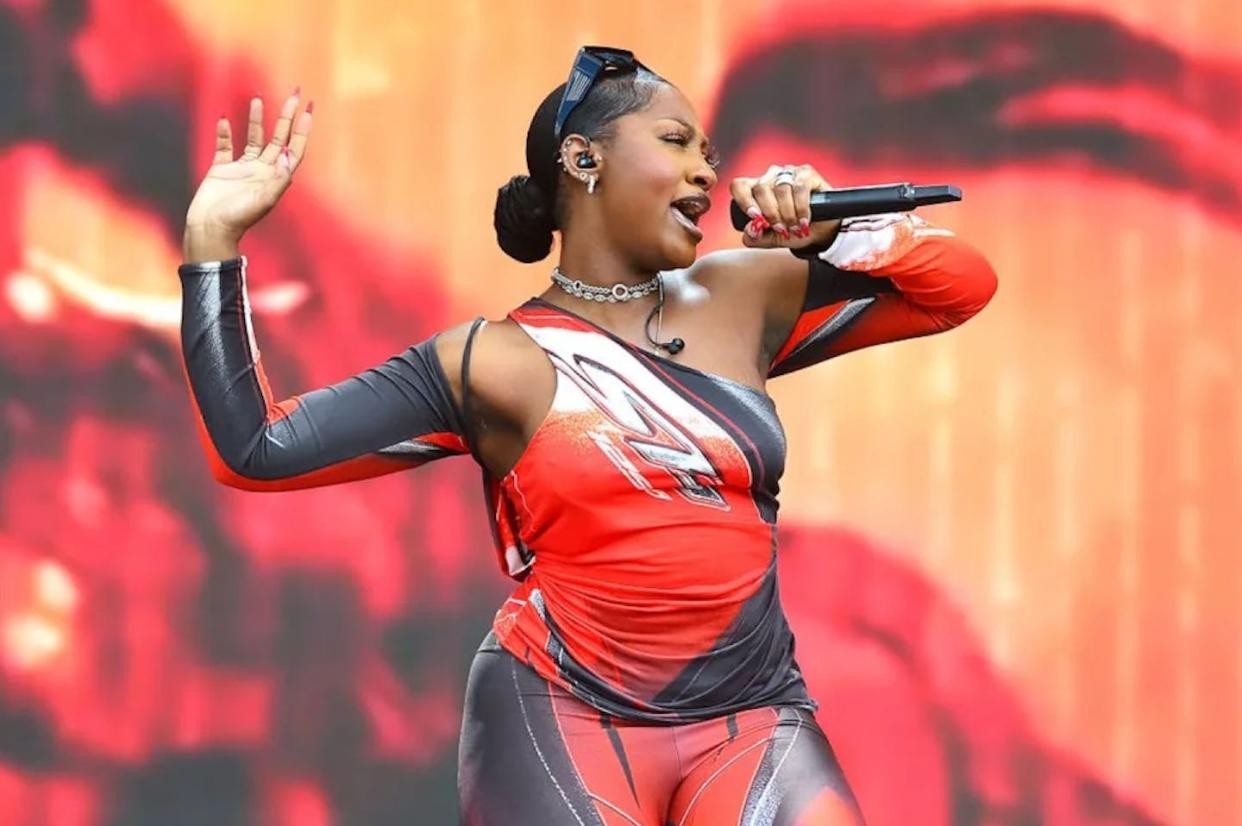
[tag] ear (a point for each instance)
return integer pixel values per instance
(575, 147)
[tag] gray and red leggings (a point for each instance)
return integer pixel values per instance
(532, 754)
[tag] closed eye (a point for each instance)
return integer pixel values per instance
(709, 150)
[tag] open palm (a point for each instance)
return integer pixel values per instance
(235, 194)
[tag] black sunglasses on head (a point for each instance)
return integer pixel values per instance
(591, 62)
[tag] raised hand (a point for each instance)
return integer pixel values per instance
(236, 193)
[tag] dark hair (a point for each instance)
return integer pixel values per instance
(527, 207)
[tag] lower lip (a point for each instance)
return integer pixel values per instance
(685, 223)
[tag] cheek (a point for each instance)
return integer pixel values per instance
(649, 184)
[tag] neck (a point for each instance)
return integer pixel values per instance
(585, 258)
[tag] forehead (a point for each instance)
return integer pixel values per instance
(669, 102)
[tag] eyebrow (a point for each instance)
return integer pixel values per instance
(706, 140)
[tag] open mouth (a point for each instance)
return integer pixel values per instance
(688, 211)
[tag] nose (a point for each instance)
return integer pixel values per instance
(704, 177)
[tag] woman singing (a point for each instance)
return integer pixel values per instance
(642, 671)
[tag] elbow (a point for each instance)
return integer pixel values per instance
(227, 468)
(265, 475)
(979, 283)
(226, 461)
(987, 282)
(224, 473)
(234, 465)
(231, 480)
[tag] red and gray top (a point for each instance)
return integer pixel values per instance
(640, 520)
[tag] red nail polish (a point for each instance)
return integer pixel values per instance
(310, 107)
(806, 226)
(782, 232)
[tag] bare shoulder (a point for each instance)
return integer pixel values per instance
(506, 365)
(750, 272)
(771, 279)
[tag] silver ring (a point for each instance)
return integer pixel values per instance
(785, 176)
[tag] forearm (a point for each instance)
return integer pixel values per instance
(931, 269)
(385, 419)
(886, 278)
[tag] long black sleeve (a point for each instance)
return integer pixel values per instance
(397, 415)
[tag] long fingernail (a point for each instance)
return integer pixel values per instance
(754, 212)
(806, 226)
(762, 224)
(780, 230)
(310, 107)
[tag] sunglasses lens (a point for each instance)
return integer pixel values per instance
(579, 83)
(590, 62)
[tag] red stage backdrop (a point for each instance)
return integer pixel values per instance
(1011, 554)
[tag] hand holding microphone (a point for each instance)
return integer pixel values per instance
(794, 207)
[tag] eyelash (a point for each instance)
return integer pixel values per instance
(713, 158)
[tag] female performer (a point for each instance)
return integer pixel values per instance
(642, 671)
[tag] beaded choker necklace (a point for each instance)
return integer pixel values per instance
(614, 294)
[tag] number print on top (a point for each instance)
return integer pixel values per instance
(641, 520)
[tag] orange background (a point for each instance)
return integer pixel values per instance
(1066, 468)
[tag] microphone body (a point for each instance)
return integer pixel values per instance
(865, 200)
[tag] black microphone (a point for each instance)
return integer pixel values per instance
(865, 200)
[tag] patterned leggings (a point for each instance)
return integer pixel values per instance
(534, 755)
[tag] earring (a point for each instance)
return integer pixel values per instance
(591, 184)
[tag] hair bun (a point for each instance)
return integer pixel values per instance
(523, 221)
